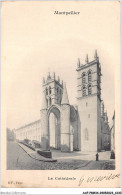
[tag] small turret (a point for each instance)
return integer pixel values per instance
(48, 77)
(87, 59)
(78, 63)
(95, 55)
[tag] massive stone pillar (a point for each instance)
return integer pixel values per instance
(44, 130)
(52, 130)
(65, 128)
(44, 124)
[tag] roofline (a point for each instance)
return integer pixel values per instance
(27, 125)
(93, 62)
(51, 81)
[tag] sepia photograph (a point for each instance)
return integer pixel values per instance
(68, 136)
(60, 94)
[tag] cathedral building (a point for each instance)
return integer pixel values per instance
(83, 127)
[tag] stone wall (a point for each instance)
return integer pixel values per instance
(87, 109)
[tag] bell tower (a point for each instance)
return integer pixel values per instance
(89, 103)
(89, 78)
(55, 116)
(53, 90)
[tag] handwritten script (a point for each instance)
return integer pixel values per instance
(97, 178)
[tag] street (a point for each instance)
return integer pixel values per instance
(18, 159)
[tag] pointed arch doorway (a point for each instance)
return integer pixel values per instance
(54, 128)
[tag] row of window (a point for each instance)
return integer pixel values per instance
(38, 138)
(84, 77)
(89, 90)
(49, 91)
(30, 132)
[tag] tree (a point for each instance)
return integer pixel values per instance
(10, 135)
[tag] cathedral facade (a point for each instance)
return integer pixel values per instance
(67, 127)
(83, 127)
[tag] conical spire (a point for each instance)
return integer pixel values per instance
(78, 64)
(95, 55)
(87, 59)
(44, 102)
(65, 99)
(48, 77)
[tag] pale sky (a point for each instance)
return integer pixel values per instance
(36, 41)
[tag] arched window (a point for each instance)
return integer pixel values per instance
(89, 76)
(84, 91)
(60, 96)
(83, 78)
(57, 90)
(50, 101)
(86, 135)
(49, 90)
(89, 90)
(46, 91)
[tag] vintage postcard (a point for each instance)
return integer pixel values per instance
(60, 94)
